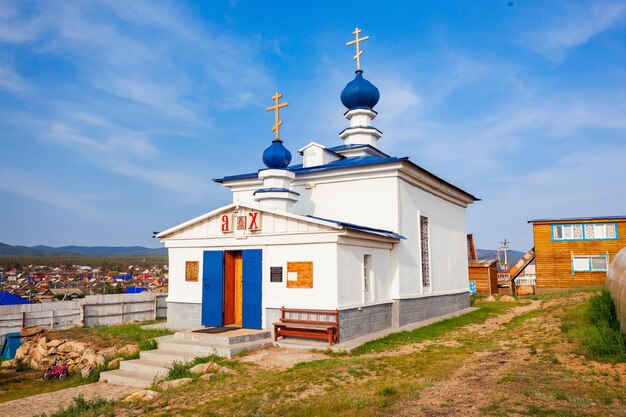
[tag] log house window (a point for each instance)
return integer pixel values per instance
(586, 231)
(590, 263)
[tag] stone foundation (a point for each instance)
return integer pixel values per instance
(184, 316)
(407, 311)
(356, 322)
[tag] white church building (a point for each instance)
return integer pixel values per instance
(377, 237)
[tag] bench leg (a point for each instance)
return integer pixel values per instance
(330, 337)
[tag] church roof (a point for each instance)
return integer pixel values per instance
(349, 162)
(341, 163)
(359, 228)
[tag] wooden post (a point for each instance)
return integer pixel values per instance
(52, 319)
(82, 314)
(156, 306)
(23, 319)
(122, 312)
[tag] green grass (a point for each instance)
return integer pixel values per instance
(432, 331)
(563, 293)
(131, 332)
(82, 407)
(595, 326)
(182, 369)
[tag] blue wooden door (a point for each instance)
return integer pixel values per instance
(252, 282)
(213, 288)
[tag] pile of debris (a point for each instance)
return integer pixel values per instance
(37, 352)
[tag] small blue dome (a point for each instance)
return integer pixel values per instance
(360, 93)
(276, 156)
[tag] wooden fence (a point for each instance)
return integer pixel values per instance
(89, 311)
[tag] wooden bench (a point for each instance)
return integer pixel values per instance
(317, 324)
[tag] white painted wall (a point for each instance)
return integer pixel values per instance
(323, 295)
(350, 275)
(180, 291)
(368, 202)
(448, 243)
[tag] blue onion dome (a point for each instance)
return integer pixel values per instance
(276, 156)
(360, 93)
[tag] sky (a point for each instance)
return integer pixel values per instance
(115, 116)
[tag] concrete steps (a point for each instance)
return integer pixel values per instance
(144, 366)
(183, 347)
(128, 378)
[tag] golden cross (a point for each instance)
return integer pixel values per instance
(358, 48)
(277, 107)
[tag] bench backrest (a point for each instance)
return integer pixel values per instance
(297, 315)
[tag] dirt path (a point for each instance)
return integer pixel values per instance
(534, 350)
(279, 358)
(50, 402)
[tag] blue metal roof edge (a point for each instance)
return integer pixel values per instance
(275, 190)
(335, 149)
(360, 127)
(572, 219)
(367, 229)
(341, 163)
(350, 162)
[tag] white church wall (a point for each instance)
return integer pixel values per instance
(448, 251)
(323, 295)
(180, 291)
(350, 274)
(370, 202)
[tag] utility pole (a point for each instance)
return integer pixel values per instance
(505, 247)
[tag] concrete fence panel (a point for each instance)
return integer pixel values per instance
(616, 284)
(90, 311)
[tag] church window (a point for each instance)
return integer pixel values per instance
(425, 251)
(367, 266)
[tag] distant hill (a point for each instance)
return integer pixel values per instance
(513, 255)
(86, 251)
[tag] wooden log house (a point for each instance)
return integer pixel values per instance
(576, 252)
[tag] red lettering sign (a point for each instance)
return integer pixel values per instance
(254, 221)
(226, 223)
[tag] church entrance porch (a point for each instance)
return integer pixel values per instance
(231, 288)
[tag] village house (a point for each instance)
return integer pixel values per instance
(350, 228)
(574, 252)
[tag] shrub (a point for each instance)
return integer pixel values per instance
(80, 406)
(597, 328)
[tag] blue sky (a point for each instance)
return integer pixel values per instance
(115, 116)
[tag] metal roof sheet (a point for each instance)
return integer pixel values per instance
(380, 232)
(575, 219)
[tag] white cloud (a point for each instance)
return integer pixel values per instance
(21, 184)
(11, 81)
(576, 27)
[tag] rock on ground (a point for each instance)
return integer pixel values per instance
(142, 395)
(115, 363)
(507, 299)
(128, 350)
(204, 368)
(175, 383)
(490, 299)
(31, 331)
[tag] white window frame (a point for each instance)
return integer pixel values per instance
(367, 273)
(585, 263)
